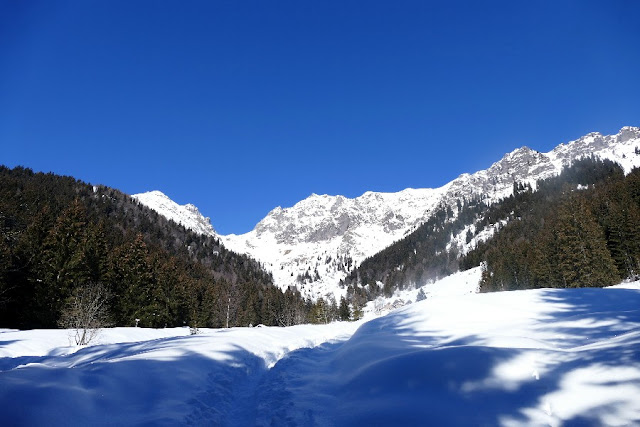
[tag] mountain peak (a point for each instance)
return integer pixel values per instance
(154, 193)
(628, 132)
(186, 215)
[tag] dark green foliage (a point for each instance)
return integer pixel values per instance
(583, 257)
(58, 234)
(555, 236)
(357, 312)
(416, 259)
(419, 257)
(321, 312)
(618, 213)
(568, 237)
(343, 310)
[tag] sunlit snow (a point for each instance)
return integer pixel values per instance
(535, 357)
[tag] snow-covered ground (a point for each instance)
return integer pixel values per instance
(536, 357)
(458, 284)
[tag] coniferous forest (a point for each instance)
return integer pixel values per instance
(60, 235)
(581, 228)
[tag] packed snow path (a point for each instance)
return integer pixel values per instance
(538, 357)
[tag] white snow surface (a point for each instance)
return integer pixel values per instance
(536, 357)
(458, 284)
(321, 232)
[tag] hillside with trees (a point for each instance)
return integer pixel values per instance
(418, 258)
(59, 235)
(570, 233)
(581, 228)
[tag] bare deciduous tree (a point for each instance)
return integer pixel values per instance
(86, 312)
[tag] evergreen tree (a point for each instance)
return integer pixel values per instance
(320, 314)
(357, 312)
(131, 282)
(64, 263)
(620, 219)
(582, 249)
(5, 267)
(343, 310)
(57, 232)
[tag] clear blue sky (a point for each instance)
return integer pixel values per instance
(241, 106)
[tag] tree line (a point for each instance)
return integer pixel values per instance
(59, 235)
(581, 229)
(421, 256)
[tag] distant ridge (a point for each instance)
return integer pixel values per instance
(322, 237)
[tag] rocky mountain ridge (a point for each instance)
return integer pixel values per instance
(313, 244)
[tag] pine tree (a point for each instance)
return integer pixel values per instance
(584, 259)
(64, 263)
(132, 282)
(320, 314)
(343, 310)
(356, 313)
(543, 261)
(5, 267)
(620, 218)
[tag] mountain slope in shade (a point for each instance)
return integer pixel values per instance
(313, 244)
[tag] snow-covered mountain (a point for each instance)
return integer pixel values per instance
(319, 239)
(186, 215)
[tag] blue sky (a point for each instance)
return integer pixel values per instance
(241, 106)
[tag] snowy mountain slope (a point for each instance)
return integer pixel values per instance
(313, 244)
(457, 285)
(322, 236)
(295, 240)
(534, 357)
(186, 215)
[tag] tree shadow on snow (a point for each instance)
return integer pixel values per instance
(117, 385)
(387, 375)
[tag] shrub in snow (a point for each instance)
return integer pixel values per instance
(86, 312)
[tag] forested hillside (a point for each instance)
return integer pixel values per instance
(419, 257)
(60, 235)
(581, 228)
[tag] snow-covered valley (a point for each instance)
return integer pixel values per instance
(534, 357)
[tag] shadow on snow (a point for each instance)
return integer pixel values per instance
(385, 374)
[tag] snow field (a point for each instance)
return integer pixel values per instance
(141, 376)
(536, 357)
